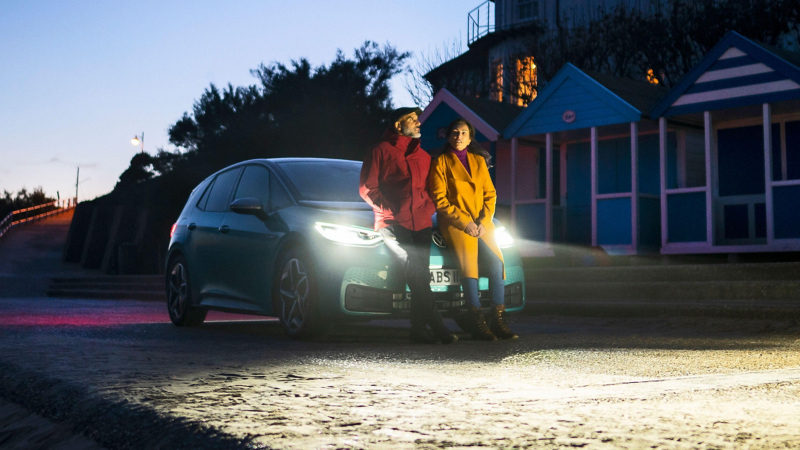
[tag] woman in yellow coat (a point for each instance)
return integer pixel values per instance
(465, 198)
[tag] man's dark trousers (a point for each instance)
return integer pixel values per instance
(412, 250)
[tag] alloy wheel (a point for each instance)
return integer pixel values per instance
(294, 292)
(178, 290)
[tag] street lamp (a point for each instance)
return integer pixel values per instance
(136, 141)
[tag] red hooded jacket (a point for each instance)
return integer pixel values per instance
(393, 181)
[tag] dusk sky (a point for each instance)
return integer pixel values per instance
(79, 79)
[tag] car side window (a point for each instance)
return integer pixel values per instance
(218, 198)
(255, 183)
(279, 198)
(201, 204)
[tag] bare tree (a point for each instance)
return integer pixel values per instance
(447, 67)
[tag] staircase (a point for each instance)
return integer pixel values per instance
(133, 287)
(751, 290)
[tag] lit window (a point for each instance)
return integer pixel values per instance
(651, 77)
(526, 80)
(497, 75)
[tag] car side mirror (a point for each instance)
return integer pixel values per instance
(249, 205)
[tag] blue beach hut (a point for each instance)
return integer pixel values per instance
(600, 164)
(489, 119)
(735, 186)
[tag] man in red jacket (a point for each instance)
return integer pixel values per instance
(393, 181)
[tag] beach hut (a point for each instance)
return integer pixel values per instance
(598, 174)
(733, 185)
(489, 119)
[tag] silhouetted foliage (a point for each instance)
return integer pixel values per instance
(333, 111)
(23, 199)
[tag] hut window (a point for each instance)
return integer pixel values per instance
(526, 80)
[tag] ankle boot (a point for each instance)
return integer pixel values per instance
(480, 331)
(499, 325)
(440, 330)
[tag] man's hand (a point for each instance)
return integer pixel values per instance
(481, 230)
(471, 229)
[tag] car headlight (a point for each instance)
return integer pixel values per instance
(348, 234)
(503, 237)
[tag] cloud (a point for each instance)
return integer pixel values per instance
(58, 161)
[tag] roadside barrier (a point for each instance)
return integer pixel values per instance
(60, 206)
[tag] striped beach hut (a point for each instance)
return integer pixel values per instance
(732, 183)
(599, 171)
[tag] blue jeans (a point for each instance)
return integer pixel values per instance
(492, 268)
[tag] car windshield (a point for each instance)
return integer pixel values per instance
(326, 181)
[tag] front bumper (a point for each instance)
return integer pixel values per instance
(366, 283)
(366, 299)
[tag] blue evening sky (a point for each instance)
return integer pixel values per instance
(78, 79)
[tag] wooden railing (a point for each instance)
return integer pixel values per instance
(59, 206)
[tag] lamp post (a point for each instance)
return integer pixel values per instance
(136, 141)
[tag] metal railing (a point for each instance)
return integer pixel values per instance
(60, 206)
(480, 21)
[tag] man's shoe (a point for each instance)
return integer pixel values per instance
(480, 331)
(440, 331)
(422, 336)
(499, 325)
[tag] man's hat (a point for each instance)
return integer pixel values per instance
(395, 115)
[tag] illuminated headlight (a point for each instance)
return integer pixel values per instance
(349, 235)
(503, 237)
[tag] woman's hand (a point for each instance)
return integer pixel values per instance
(481, 230)
(471, 229)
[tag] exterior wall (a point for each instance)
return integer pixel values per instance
(589, 111)
(529, 173)
(571, 12)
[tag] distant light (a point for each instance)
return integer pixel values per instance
(651, 77)
(135, 140)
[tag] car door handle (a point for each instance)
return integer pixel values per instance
(224, 229)
(192, 226)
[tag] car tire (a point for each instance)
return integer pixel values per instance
(179, 296)
(296, 296)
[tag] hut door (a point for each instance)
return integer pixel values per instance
(579, 194)
(740, 206)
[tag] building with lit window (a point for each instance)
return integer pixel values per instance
(499, 39)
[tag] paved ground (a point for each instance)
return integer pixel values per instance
(30, 254)
(117, 374)
(656, 383)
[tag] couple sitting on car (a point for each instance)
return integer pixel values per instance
(404, 189)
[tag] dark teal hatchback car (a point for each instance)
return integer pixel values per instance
(291, 238)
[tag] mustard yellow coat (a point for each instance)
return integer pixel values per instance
(461, 199)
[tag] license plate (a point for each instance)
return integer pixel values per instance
(445, 277)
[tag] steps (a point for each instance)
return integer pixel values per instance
(762, 290)
(133, 287)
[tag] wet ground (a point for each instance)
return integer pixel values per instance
(567, 382)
